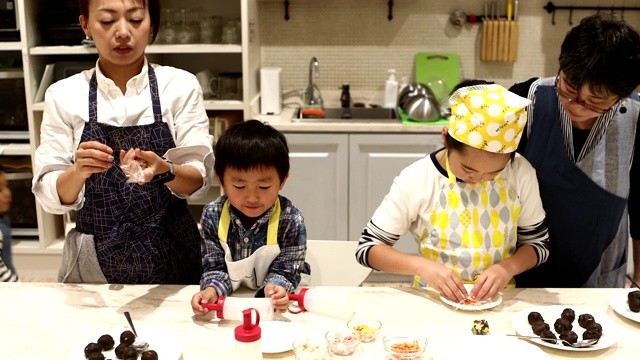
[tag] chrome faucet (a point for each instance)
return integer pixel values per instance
(311, 98)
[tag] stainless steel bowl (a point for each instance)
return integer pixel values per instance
(419, 103)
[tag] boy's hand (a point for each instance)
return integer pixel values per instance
(206, 296)
(278, 295)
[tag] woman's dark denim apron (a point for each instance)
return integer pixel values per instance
(142, 233)
(585, 203)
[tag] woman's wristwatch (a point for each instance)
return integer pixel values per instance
(167, 176)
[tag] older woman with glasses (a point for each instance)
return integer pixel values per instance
(581, 138)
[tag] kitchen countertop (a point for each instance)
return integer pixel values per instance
(50, 320)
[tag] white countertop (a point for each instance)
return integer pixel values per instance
(283, 121)
(51, 320)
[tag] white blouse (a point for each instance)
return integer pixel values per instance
(66, 112)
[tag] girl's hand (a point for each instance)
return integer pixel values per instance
(92, 157)
(444, 280)
(206, 296)
(490, 282)
(278, 295)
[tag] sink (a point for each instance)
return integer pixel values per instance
(354, 114)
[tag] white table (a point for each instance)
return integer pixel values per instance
(48, 320)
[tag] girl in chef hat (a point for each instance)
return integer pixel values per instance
(472, 206)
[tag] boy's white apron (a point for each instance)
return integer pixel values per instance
(472, 227)
(251, 271)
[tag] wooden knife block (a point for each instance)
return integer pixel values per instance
(500, 40)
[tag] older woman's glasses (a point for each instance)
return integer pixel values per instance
(575, 99)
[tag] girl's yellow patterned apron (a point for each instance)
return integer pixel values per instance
(251, 271)
(472, 227)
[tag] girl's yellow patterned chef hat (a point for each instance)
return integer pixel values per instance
(488, 117)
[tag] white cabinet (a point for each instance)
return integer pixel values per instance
(36, 55)
(338, 180)
(374, 162)
(318, 183)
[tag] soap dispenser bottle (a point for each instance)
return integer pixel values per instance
(391, 90)
(345, 97)
(248, 344)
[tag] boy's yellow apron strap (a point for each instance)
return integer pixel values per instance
(272, 229)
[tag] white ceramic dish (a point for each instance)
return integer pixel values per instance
(491, 346)
(167, 346)
(478, 306)
(278, 336)
(610, 332)
(619, 304)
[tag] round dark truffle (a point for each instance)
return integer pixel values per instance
(149, 355)
(585, 320)
(92, 348)
(595, 327)
(570, 337)
(568, 314)
(96, 356)
(534, 316)
(127, 337)
(539, 326)
(550, 335)
(120, 351)
(633, 298)
(130, 353)
(561, 325)
(591, 334)
(106, 342)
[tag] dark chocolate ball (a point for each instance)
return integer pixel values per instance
(549, 335)
(96, 356)
(127, 337)
(595, 327)
(106, 342)
(561, 325)
(539, 326)
(591, 334)
(585, 320)
(568, 314)
(534, 316)
(633, 298)
(120, 350)
(569, 336)
(92, 348)
(130, 353)
(149, 355)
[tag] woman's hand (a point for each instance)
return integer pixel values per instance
(444, 280)
(490, 282)
(206, 296)
(278, 295)
(92, 157)
(150, 163)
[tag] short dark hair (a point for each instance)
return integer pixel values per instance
(250, 145)
(152, 5)
(603, 52)
(470, 82)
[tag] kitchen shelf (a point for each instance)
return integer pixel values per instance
(12, 74)
(15, 149)
(151, 49)
(10, 45)
(14, 135)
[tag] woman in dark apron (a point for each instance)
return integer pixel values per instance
(130, 232)
(581, 139)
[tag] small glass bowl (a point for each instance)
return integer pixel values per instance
(309, 349)
(404, 347)
(342, 342)
(368, 328)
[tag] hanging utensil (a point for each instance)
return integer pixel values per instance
(485, 33)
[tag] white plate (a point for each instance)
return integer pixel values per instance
(166, 345)
(610, 332)
(483, 305)
(490, 346)
(619, 304)
(278, 336)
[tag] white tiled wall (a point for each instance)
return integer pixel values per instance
(355, 43)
